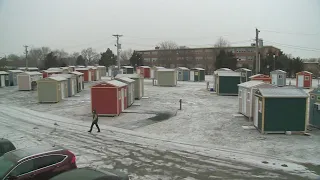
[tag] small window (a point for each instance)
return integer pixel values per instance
(280, 76)
(260, 106)
(307, 78)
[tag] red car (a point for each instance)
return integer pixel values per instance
(36, 163)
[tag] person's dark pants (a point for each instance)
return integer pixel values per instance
(94, 123)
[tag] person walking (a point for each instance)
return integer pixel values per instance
(94, 121)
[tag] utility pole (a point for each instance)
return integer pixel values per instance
(118, 50)
(257, 52)
(26, 52)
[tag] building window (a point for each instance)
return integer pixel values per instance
(280, 76)
(260, 106)
(307, 78)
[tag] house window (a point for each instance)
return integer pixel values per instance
(260, 106)
(280, 76)
(307, 78)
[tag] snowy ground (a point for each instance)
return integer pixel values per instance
(202, 141)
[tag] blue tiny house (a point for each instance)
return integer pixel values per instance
(183, 74)
(314, 108)
(13, 80)
(278, 78)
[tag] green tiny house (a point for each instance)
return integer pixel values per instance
(197, 74)
(278, 110)
(226, 83)
(314, 108)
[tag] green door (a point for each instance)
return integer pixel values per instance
(196, 76)
(202, 75)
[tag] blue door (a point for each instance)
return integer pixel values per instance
(186, 76)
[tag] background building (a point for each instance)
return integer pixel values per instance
(201, 57)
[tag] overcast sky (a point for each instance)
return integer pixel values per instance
(292, 25)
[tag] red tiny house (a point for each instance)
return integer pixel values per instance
(304, 79)
(261, 77)
(109, 98)
(144, 71)
(87, 74)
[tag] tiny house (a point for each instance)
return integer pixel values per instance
(87, 74)
(183, 74)
(71, 83)
(31, 69)
(63, 70)
(197, 74)
(79, 80)
(144, 71)
(138, 84)
(52, 89)
(95, 73)
(127, 69)
(166, 77)
(153, 71)
(47, 73)
(13, 81)
(28, 80)
(278, 110)
(246, 96)
(226, 83)
(4, 79)
(130, 91)
(109, 98)
(278, 77)
(102, 71)
(304, 79)
(314, 108)
(245, 74)
(261, 77)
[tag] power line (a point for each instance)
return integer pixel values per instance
(294, 46)
(290, 33)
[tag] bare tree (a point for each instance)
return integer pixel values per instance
(221, 42)
(168, 45)
(125, 56)
(37, 55)
(90, 55)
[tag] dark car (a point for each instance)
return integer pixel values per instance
(37, 163)
(6, 146)
(91, 174)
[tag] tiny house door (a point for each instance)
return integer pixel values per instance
(122, 99)
(2, 81)
(256, 110)
(244, 100)
(191, 75)
(300, 80)
(89, 76)
(274, 79)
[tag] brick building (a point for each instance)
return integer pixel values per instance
(201, 57)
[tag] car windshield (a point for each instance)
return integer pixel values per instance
(5, 166)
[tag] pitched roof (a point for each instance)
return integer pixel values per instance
(125, 79)
(54, 69)
(200, 69)
(183, 68)
(277, 71)
(82, 69)
(244, 69)
(63, 75)
(257, 75)
(32, 73)
(163, 70)
(129, 75)
(145, 66)
(282, 92)
(228, 73)
(16, 71)
(250, 84)
(3, 72)
(116, 83)
(76, 73)
(305, 72)
(223, 69)
(128, 67)
(57, 78)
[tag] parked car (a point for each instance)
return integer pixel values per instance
(40, 163)
(91, 174)
(6, 146)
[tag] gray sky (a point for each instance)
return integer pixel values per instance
(76, 24)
